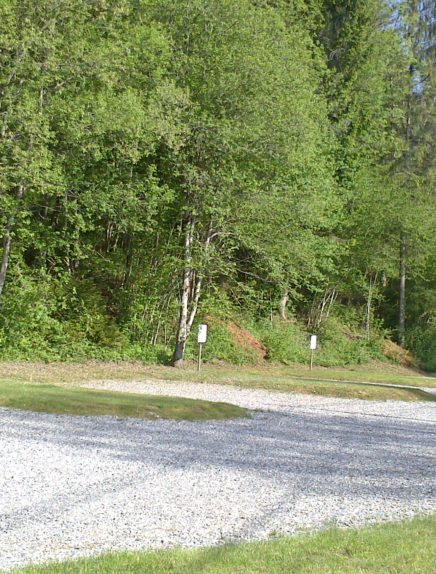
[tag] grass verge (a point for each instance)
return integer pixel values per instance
(271, 375)
(403, 548)
(347, 383)
(78, 401)
(284, 380)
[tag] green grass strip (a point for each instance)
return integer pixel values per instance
(403, 548)
(78, 401)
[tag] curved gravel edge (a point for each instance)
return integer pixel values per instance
(273, 401)
(80, 486)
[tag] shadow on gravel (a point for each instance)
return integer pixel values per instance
(303, 450)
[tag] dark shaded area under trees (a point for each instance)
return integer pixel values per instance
(269, 163)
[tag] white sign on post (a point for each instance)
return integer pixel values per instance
(202, 333)
(312, 348)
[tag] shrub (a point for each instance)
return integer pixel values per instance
(220, 346)
(338, 344)
(285, 342)
(422, 342)
(341, 345)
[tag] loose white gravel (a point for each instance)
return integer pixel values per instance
(79, 486)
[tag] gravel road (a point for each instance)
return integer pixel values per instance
(76, 486)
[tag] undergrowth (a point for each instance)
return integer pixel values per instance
(49, 320)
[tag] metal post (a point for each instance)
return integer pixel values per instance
(200, 347)
(313, 342)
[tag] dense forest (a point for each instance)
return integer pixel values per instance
(265, 166)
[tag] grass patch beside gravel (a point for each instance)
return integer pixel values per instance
(404, 548)
(78, 401)
(298, 378)
(326, 388)
(347, 383)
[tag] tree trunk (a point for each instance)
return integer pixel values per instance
(191, 291)
(402, 309)
(7, 242)
(282, 306)
(331, 301)
(182, 331)
(372, 282)
(179, 353)
(5, 257)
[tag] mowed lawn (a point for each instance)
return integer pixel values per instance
(77, 401)
(351, 383)
(403, 548)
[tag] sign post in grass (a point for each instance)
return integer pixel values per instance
(313, 343)
(201, 339)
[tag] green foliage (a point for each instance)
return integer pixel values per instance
(293, 140)
(285, 342)
(338, 343)
(222, 347)
(341, 345)
(28, 328)
(64, 321)
(422, 342)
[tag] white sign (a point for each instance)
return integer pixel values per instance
(312, 342)
(202, 333)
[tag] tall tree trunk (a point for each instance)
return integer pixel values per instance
(191, 291)
(7, 242)
(402, 309)
(5, 257)
(372, 282)
(331, 301)
(182, 331)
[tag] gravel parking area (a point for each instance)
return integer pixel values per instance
(75, 486)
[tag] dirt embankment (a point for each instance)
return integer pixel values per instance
(242, 337)
(401, 356)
